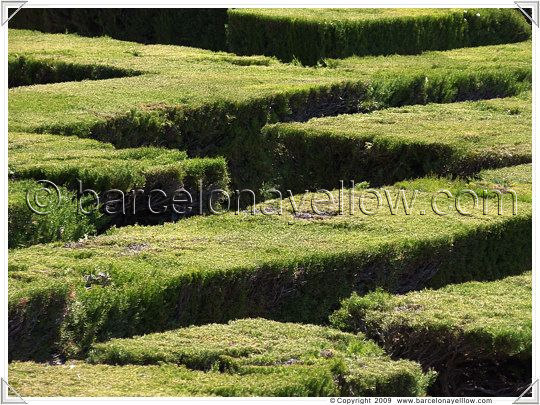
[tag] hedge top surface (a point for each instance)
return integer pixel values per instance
(79, 379)
(330, 361)
(371, 376)
(241, 342)
(343, 15)
(496, 126)
(99, 165)
(190, 78)
(221, 244)
(497, 313)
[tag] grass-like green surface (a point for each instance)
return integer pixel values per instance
(100, 166)
(78, 379)
(396, 143)
(216, 103)
(478, 328)
(252, 357)
(291, 267)
(61, 224)
(190, 77)
(337, 15)
(311, 35)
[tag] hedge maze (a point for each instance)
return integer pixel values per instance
(390, 177)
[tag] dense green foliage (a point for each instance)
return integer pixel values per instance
(24, 72)
(78, 379)
(100, 166)
(392, 144)
(215, 104)
(27, 228)
(312, 35)
(168, 116)
(477, 335)
(295, 266)
(359, 366)
(201, 28)
(244, 357)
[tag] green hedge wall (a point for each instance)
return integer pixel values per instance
(476, 335)
(233, 130)
(293, 36)
(388, 145)
(27, 228)
(201, 28)
(216, 268)
(23, 71)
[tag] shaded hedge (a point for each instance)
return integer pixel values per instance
(477, 336)
(233, 130)
(197, 27)
(389, 145)
(217, 268)
(23, 71)
(311, 40)
(64, 223)
(359, 366)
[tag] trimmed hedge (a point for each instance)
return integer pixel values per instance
(243, 358)
(78, 379)
(398, 143)
(292, 267)
(358, 366)
(26, 228)
(64, 160)
(100, 167)
(312, 35)
(167, 106)
(81, 379)
(478, 336)
(228, 347)
(23, 71)
(198, 27)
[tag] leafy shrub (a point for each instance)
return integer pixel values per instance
(202, 28)
(312, 35)
(392, 144)
(292, 267)
(478, 336)
(63, 223)
(23, 71)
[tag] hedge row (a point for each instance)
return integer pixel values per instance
(168, 106)
(371, 376)
(312, 35)
(23, 71)
(78, 379)
(392, 144)
(293, 267)
(100, 167)
(199, 27)
(478, 336)
(358, 366)
(26, 227)
(307, 35)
